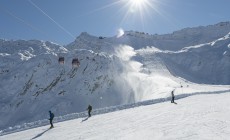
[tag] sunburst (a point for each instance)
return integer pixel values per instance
(139, 4)
(139, 10)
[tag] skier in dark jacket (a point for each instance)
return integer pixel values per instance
(89, 110)
(173, 97)
(51, 119)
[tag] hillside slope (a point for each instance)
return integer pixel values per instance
(113, 71)
(195, 117)
(33, 76)
(207, 63)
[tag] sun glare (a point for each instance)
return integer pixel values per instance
(141, 8)
(139, 12)
(133, 11)
(138, 3)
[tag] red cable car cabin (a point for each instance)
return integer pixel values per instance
(75, 62)
(61, 60)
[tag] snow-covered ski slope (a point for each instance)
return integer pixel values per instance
(194, 117)
(113, 71)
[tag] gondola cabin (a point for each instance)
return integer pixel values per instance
(61, 60)
(75, 63)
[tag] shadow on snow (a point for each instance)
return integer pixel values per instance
(40, 123)
(39, 135)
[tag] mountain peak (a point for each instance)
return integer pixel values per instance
(85, 35)
(226, 23)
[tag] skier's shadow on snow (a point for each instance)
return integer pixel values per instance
(174, 103)
(39, 135)
(85, 119)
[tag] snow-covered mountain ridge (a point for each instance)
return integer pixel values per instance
(173, 41)
(113, 71)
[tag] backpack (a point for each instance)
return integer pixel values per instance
(52, 115)
(90, 108)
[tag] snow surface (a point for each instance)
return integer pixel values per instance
(113, 71)
(194, 117)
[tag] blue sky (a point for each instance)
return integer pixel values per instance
(61, 21)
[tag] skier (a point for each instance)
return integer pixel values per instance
(172, 93)
(51, 119)
(89, 110)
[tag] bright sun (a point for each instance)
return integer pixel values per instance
(139, 12)
(138, 5)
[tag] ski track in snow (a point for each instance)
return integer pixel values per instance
(196, 117)
(40, 123)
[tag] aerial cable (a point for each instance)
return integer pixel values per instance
(101, 8)
(52, 19)
(23, 21)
